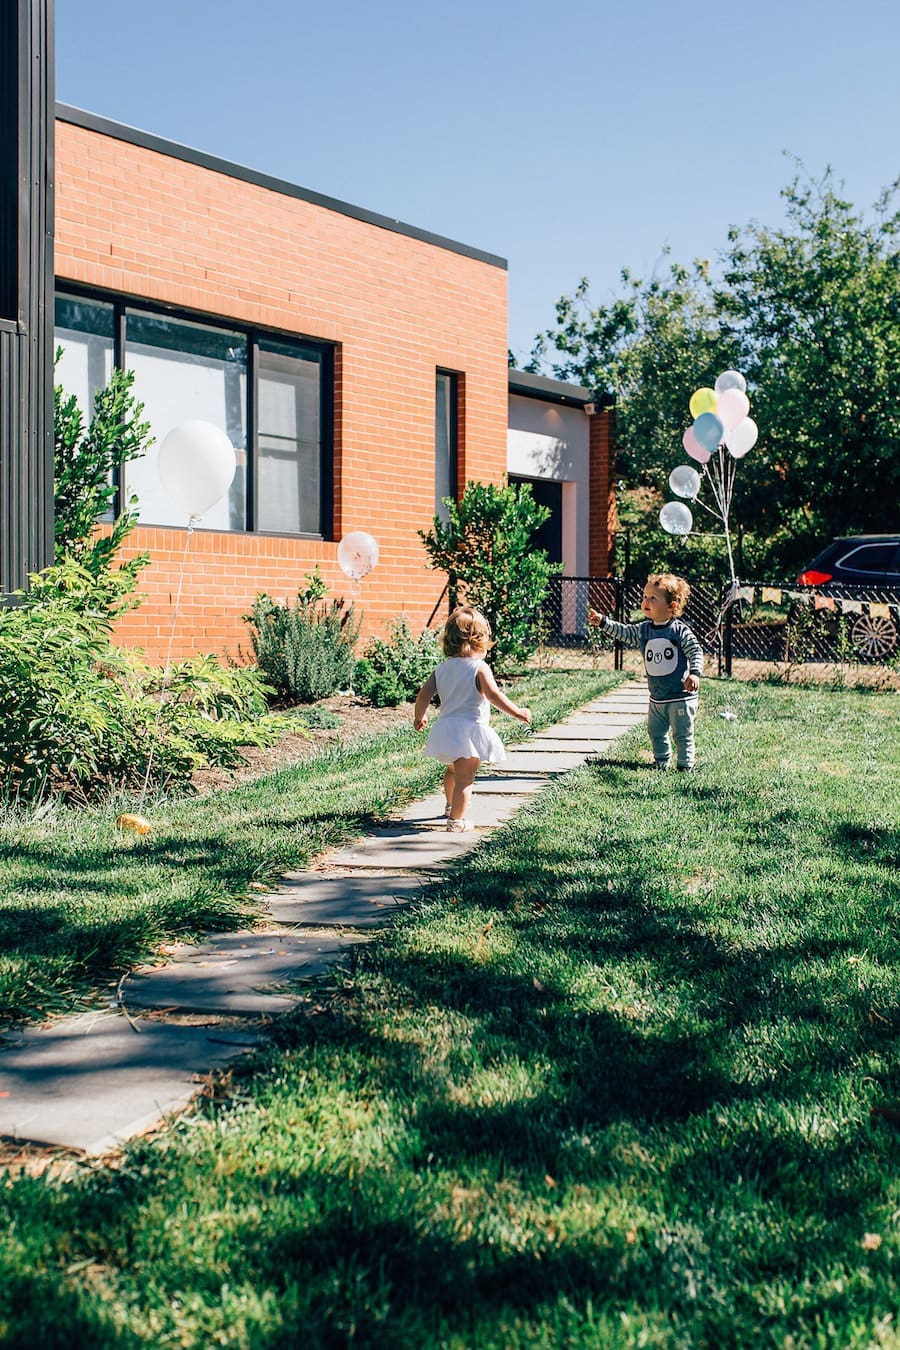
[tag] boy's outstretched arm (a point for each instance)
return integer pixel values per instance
(624, 632)
(423, 698)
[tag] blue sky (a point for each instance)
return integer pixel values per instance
(572, 139)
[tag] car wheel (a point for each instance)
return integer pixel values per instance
(874, 638)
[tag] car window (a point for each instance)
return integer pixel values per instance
(870, 557)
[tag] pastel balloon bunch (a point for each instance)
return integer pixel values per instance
(721, 417)
(721, 433)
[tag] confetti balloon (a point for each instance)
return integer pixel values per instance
(684, 481)
(731, 379)
(675, 518)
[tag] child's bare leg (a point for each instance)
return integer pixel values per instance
(464, 771)
(449, 781)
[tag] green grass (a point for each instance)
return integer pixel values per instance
(80, 902)
(608, 1085)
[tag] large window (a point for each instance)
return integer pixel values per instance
(445, 441)
(184, 371)
(271, 397)
(85, 330)
(289, 474)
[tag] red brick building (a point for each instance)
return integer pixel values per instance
(359, 366)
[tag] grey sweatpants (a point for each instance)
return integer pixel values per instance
(677, 717)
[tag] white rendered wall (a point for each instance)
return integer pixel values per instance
(548, 440)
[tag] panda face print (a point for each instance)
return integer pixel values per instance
(660, 657)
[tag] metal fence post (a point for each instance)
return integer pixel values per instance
(618, 649)
(728, 635)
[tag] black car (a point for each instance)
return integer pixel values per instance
(863, 567)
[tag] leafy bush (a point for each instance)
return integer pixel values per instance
(305, 652)
(486, 545)
(392, 671)
(84, 461)
(80, 716)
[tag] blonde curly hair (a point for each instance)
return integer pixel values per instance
(466, 633)
(675, 589)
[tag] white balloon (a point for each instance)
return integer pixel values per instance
(357, 554)
(684, 481)
(196, 465)
(742, 438)
(675, 518)
(730, 379)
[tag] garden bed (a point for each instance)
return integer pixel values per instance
(356, 719)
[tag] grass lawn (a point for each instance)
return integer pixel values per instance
(80, 902)
(608, 1085)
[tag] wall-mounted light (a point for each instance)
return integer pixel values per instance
(590, 409)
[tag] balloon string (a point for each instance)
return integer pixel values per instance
(193, 521)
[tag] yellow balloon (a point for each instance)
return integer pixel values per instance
(704, 400)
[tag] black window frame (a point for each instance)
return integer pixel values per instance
(453, 376)
(300, 343)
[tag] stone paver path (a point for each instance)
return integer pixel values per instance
(90, 1082)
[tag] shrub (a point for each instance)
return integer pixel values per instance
(84, 462)
(305, 652)
(80, 716)
(391, 671)
(486, 545)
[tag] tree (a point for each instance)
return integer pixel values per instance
(652, 346)
(486, 546)
(810, 314)
(84, 463)
(815, 307)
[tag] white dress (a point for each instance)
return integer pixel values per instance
(462, 728)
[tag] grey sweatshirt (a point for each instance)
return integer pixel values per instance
(670, 650)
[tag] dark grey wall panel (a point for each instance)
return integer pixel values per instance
(26, 289)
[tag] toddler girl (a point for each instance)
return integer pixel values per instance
(462, 737)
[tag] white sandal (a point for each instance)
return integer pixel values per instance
(459, 826)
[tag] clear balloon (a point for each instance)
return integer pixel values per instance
(708, 430)
(703, 401)
(684, 481)
(731, 379)
(733, 408)
(742, 437)
(675, 518)
(196, 465)
(357, 554)
(693, 447)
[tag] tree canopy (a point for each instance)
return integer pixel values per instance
(810, 313)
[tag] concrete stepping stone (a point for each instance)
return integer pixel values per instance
(580, 745)
(608, 726)
(240, 974)
(407, 847)
(541, 761)
(93, 1081)
(484, 810)
(510, 781)
(354, 901)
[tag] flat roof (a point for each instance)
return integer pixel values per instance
(118, 131)
(555, 391)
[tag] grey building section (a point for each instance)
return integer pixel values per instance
(27, 106)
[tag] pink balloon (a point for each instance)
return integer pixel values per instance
(733, 407)
(694, 448)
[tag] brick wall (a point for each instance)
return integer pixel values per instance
(136, 221)
(603, 521)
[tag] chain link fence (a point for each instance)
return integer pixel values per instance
(766, 626)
